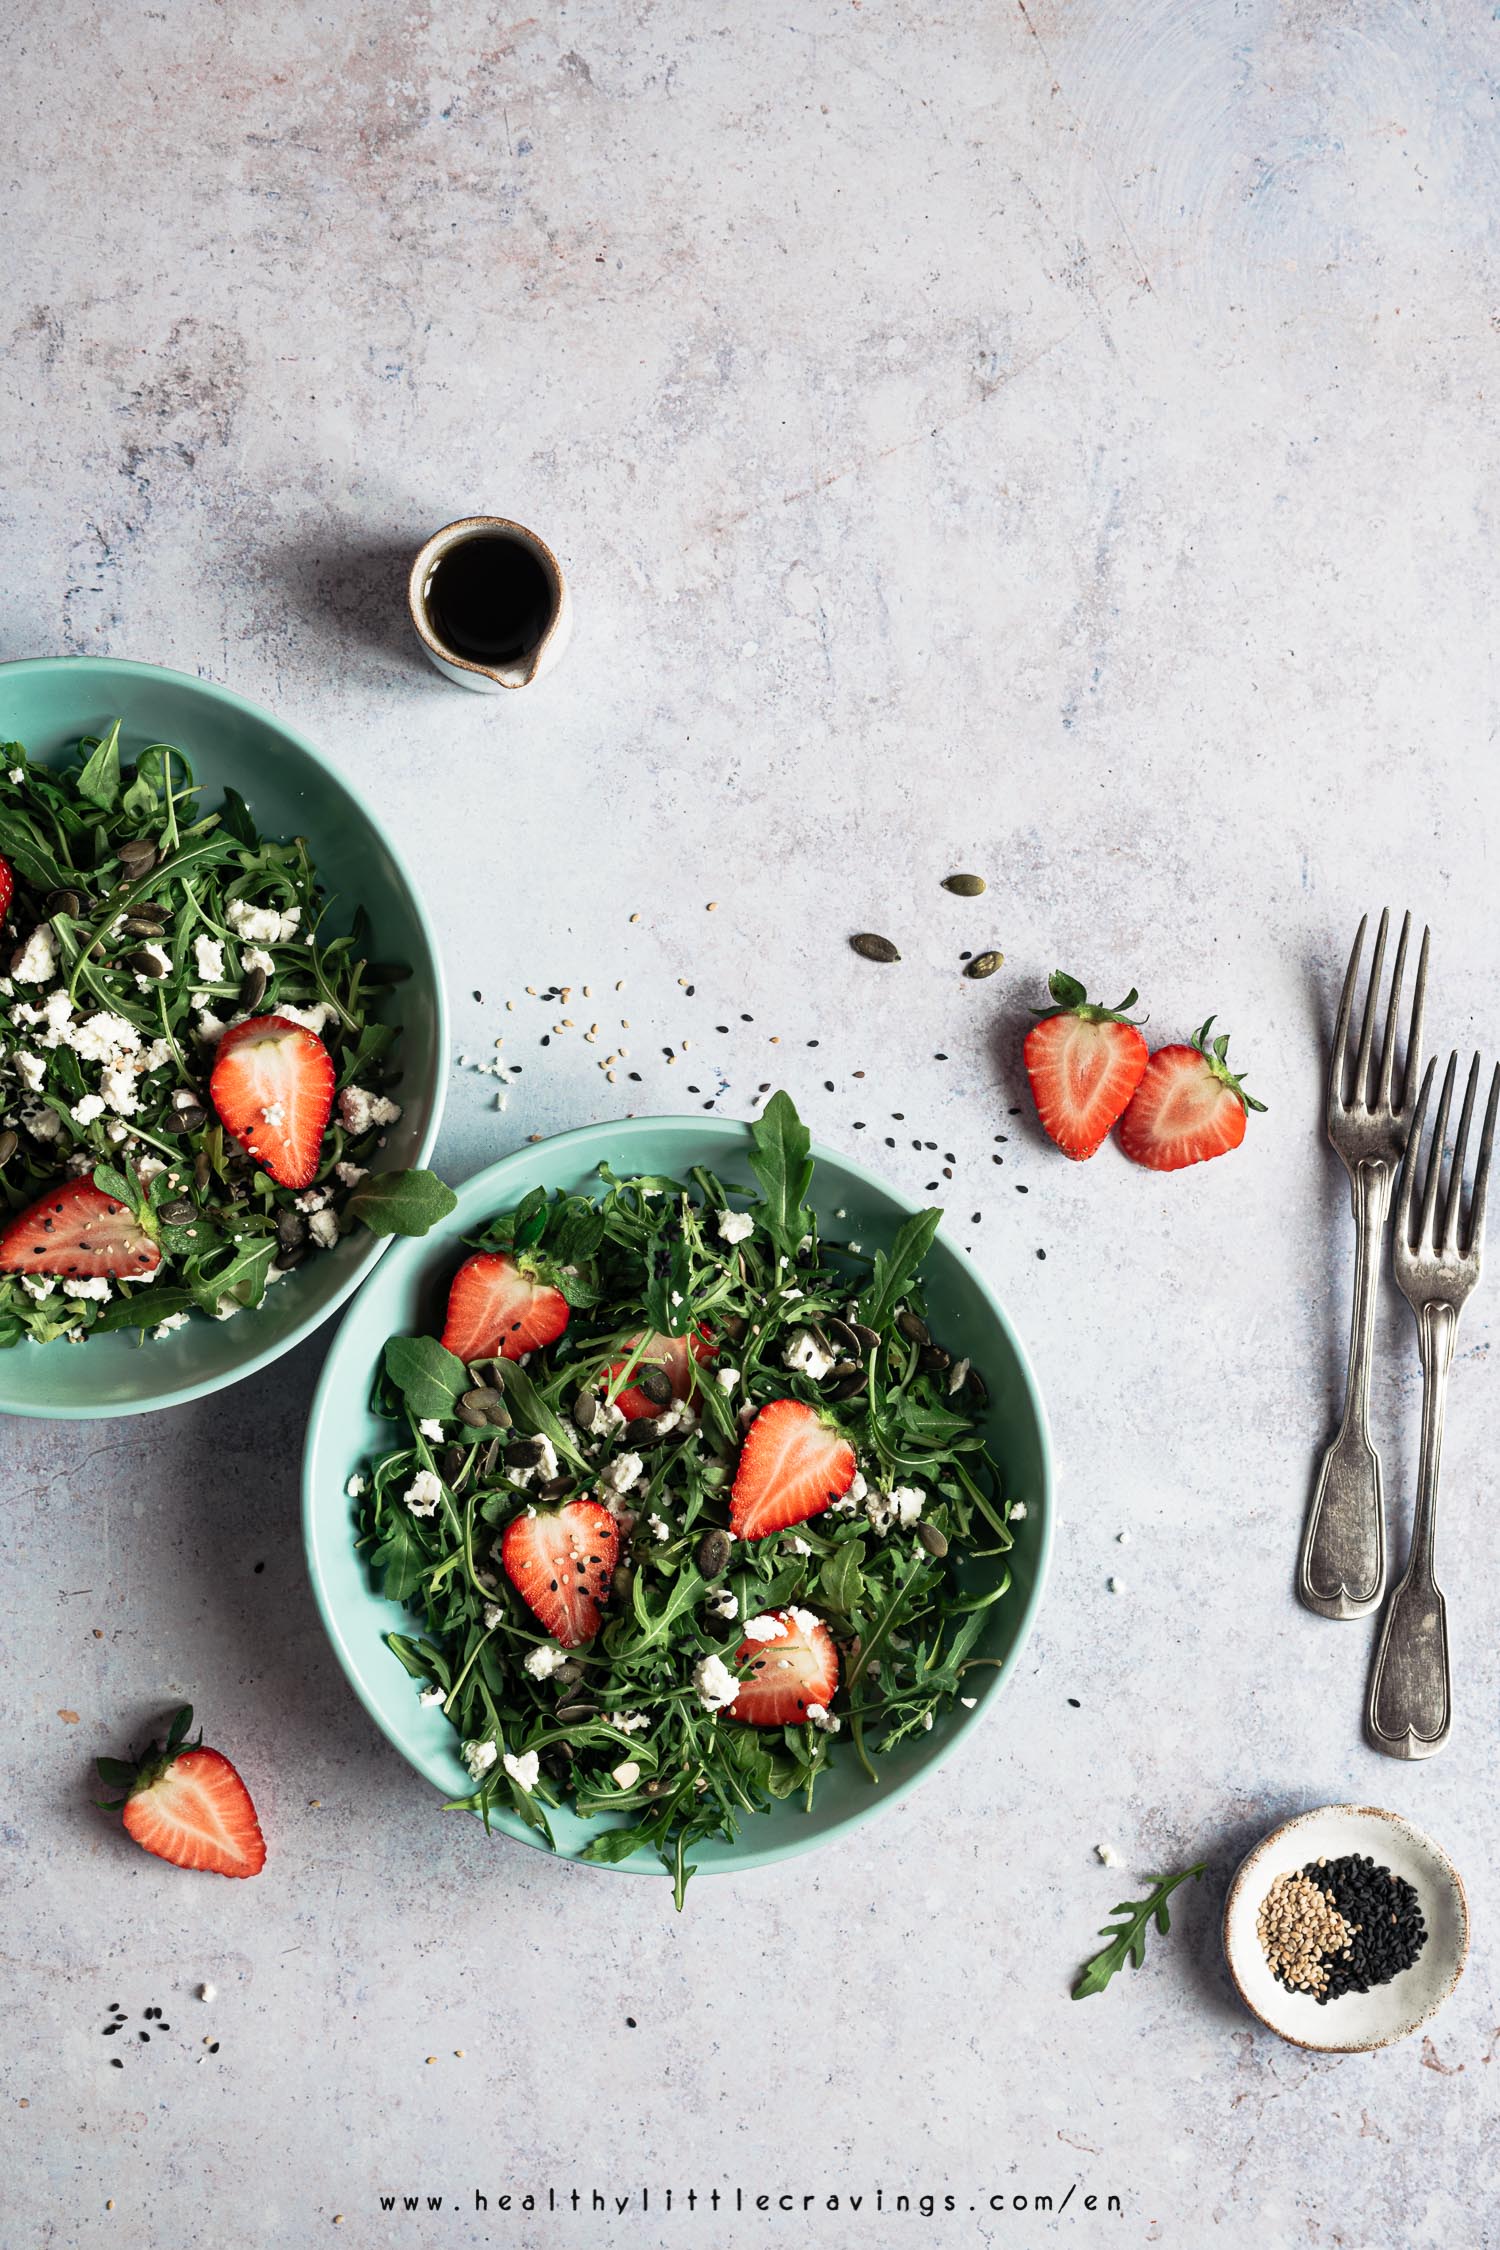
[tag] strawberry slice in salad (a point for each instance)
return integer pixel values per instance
(272, 1086)
(662, 1373)
(78, 1231)
(499, 1308)
(793, 1465)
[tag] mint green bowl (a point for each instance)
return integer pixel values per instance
(47, 703)
(407, 1296)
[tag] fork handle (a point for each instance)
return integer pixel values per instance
(1341, 1569)
(1409, 1709)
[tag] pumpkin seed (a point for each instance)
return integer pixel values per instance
(932, 1539)
(65, 902)
(653, 1383)
(933, 1360)
(452, 1461)
(189, 1118)
(567, 1673)
(477, 1410)
(846, 1388)
(985, 964)
(978, 1387)
(964, 886)
(873, 948)
(137, 856)
(291, 1254)
(9, 1143)
(555, 1488)
(732, 1326)
(253, 989)
(488, 1459)
(136, 925)
(524, 1454)
(713, 1553)
(621, 1580)
(913, 1327)
(842, 1369)
(201, 1170)
(179, 1214)
(869, 1338)
(291, 1227)
(147, 910)
(586, 1410)
(576, 1714)
(558, 1761)
(843, 1335)
(147, 964)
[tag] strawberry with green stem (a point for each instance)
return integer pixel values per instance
(1084, 1063)
(186, 1804)
(1189, 1106)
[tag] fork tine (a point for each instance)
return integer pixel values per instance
(1388, 1045)
(1456, 1175)
(1428, 1235)
(1413, 1063)
(1411, 1158)
(1372, 1002)
(1482, 1168)
(1337, 1067)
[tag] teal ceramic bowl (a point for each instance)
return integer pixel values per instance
(47, 703)
(407, 1295)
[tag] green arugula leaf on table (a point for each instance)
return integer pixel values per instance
(1128, 1937)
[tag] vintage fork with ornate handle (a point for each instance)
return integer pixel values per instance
(1341, 1570)
(1410, 1707)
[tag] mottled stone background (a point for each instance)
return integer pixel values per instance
(1058, 440)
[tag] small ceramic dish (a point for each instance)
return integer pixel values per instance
(1358, 2021)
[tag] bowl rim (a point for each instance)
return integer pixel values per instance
(1423, 1842)
(788, 1844)
(182, 1394)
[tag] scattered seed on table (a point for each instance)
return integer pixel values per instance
(978, 1216)
(1074, 1702)
(1020, 1190)
(828, 1085)
(964, 886)
(746, 1018)
(116, 2063)
(871, 947)
(1041, 1253)
(889, 1142)
(479, 996)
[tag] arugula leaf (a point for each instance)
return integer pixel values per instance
(533, 1412)
(428, 1376)
(237, 820)
(401, 1202)
(841, 1579)
(780, 1159)
(895, 1271)
(99, 781)
(29, 852)
(1128, 1937)
(399, 1561)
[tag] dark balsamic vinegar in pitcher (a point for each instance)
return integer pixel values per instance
(489, 599)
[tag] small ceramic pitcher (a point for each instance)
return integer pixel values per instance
(544, 633)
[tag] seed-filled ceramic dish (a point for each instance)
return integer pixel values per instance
(1346, 1929)
(222, 1028)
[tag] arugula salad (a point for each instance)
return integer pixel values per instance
(683, 1499)
(192, 1079)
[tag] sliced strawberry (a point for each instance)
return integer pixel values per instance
(792, 1464)
(272, 1086)
(1189, 1106)
(797, 1667)
(559, 1561)
(498, 1310)
(674, 1356)
(77, 1229)
(189, 1806)
(7, 886)
(1084, 1063)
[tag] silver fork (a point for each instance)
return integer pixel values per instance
(1410, 1705)
(1341, 1569)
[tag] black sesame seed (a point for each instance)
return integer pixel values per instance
(116, 2064)
(1041, 1253)
(1074, 1702)
(1022, 1190)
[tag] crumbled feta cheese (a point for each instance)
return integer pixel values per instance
(804, 1621)
(431, 1427)
(88, 1109)
(627, 1722)
(362, 1111)
(958, 1377)
(41, 1123)
(716, 1684)
(626, 1774)
(523, 1771)
(969, 1702)
(660, 1529)
(37, 963)
(252, 957)
(622, 1473)
(423, 1493)
(164, 1328)
(431, 1695)
(356, 1486)
(735, 1226)
(1107, 1855)
(208, 954)
(311, 1199)
(797, 1546)
(226, 1308)
(95, 1285)
(541, 1663)
(493, 1615)
(31, 1070)
(804, 1355)
(479, 1757)
(350, 1175)
(264, 923)
(823, 1719)
(766, 1628)
(903, 1505)
(117, 1086)
(723, 1602)
(211, 1028)
(1016, 1513)
(38, 1285)
(323, 1226)
(727, 1377)
(312, 1018)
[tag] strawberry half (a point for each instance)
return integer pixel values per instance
(498, 1310)
(792, 1464)
(1189, 1106)
(7, 886)
(272, 1086)
(1084, 1063)
(674, 1356)
(559, 1561)
(799, 1666)
(77, 1229)
(188, 1805)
